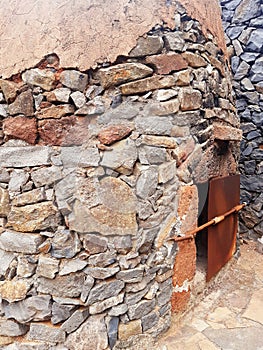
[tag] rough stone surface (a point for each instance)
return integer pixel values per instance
(19, 157)
(47, 333)
(167, 63)
(13, 290)
(147, 84)
(12, 329)
(74, 79)
(149, 45)
(20, 242)
(123, 73)
(20, 128)
(38, 77)
(5, 202)
(91, 335)
(129, 329)
(23, 104)
(33, 217)
(114, 133)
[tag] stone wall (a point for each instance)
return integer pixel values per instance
(243, 27)
(98, 171)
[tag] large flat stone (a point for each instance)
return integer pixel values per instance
(21, 128)
(44, 332)
(79, 157)
(33, 217)
(114, 212)
(122, 73)
(235, 338)
(147, 84)
(36, 308)
(167, 63)
(20, 242)
(255, 307)
(20, 157)
(91, 335)
(62, 286)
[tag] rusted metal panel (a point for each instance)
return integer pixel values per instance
(224, 194)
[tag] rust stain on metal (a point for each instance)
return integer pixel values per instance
(224, 194)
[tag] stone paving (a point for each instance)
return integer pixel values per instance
(230, 317)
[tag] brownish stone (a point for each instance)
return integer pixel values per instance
(122, 73)
(67, 131)
(228, 133)
(9, 89)
(13, 290)
(55, 112)
(194, 60)
(179, 301)
(114, 133)
(129, 329)
(21, 128)
(167, 63)
(4, 202)
(147, 84)
(23, 104)
(188, 208)
(190, 99)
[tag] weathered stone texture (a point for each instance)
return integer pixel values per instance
(20, 128)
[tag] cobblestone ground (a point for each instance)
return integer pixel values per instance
(230, 317)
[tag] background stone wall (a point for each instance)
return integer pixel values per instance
(243, 23)
(99, 168)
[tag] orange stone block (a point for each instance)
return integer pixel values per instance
(179, 301)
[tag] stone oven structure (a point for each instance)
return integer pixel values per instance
(105, 153)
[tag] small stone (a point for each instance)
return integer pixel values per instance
(153, 125)
(141, 309)
(40, 77)
(183, 78)
(163, 108)
(148, 45)
(47, 267)
(55, 112)
(147, 84)
(105, 290)
(30, 197)
(26, 266)
(118, 310)
(88, 284)
(35, 308)
(122, 157)
(147, 182)
(190, 99)
(78, 98)
(175, 41)
(46, 176)
(74, 80)
(94, 107)
(75, 320)
(167, 63)
(158, 141)
(61, 312)
(129, 329)
(165, 94)
(11, 328)
(3, 111)
(101, 306)
(21, 128)
(91, 335)
(65, 244)
(13, 290)
(103, 259)
(149, 321)
(222, 132)
(123, 73)
(167, 172)
(58, 95)
(23, 104)
(122, 244)
(44, 332)
(79, 157)
(242, 70)
(194, 60)
(5, 261)
(101, 272)
(72, 266)
(131, 276)
(112, 328)
(94, 244)
(4, 202)
(246, 10)
(20, 242)
(152, 155)
(33, 217)
(114, 133)
(62, 286)
(10, 90)
(19, 157)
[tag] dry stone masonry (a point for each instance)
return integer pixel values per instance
(243, 23)
(95, 166)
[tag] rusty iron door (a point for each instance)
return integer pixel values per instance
(224, 194)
